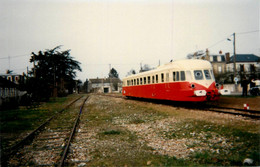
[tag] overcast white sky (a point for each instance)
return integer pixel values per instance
(124, 33)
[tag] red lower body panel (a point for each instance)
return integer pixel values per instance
(179, 91)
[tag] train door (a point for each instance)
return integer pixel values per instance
(167, 81)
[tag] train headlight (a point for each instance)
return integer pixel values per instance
(217, 85)
(200, 92)
(192, 86)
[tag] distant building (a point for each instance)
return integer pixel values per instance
(105, 85)
(15, 78)
(10, 94)
(246, 64)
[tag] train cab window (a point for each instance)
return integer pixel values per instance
(128, 83)
(152, 79)
(198, 75)
(137, 81)
(167, 77)
(183, 76)
(144, 80)
(162, 77)
(148, 79)
(207, 74)
(211, 71)
(156, 78)
(141, 81)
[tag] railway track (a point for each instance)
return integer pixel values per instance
(253, 114)
(48, 144)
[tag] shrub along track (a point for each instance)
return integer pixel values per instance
(45, 145)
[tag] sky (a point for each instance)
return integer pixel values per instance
(123, 34)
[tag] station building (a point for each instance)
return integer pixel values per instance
(104, 85)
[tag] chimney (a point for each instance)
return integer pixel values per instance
(227, 56)
(207, 54)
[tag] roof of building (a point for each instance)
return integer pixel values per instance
(4, 83)
(245, 58)
(104, 80)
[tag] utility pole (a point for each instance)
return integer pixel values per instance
(34, 70)
(234, 59)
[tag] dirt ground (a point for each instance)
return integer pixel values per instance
(238, 102)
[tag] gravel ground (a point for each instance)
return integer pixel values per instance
(121, 132)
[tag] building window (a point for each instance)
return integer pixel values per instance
(219, 69)
(223, 58)
(215, 58)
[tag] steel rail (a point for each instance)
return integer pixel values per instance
(211, 108)
(65, 152)
(30, 136)
(232, 113)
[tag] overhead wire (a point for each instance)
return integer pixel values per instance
(15, 56)
(239, 33)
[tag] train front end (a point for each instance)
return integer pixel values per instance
(203, 84)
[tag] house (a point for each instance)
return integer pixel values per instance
(14, 78)
(218, 62)
(246, 65)
(105, 85)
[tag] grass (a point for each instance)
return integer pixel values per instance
(220, 145)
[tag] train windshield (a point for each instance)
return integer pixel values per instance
(198, 74)
(207, 74)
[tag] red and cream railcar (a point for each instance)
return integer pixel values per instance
(183, 80)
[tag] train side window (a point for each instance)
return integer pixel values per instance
(167, 77)
(198, 75)
(128, 83)
(174, 76)
(162, 77)
(152, 79)
(177, 76)
(182, 76)
(134, 81)
(188, 75)
(156, 78)
(211, 71)
(207, 74)
(144, 80)
(141, 81)
(137, 81)
(149, 79)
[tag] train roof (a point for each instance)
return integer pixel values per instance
(187, 64)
